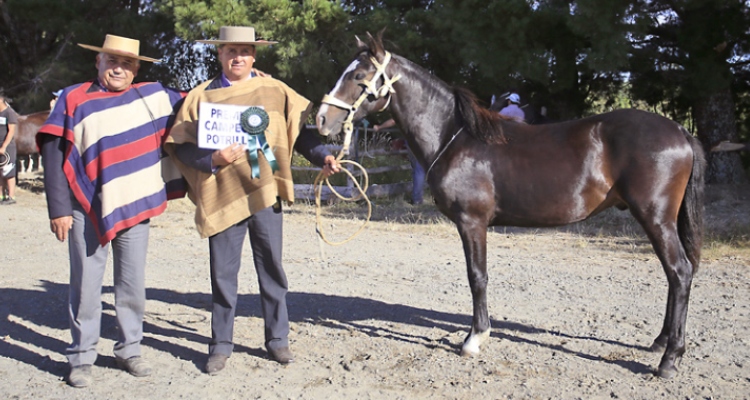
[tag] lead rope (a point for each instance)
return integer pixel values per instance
(318, 185)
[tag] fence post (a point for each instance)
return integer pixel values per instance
(354, 152)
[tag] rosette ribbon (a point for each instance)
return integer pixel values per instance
(254, 122)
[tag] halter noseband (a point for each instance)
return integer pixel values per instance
(369, 90)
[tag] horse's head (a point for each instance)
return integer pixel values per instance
(364, 87)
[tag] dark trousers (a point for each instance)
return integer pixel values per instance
(265, 230)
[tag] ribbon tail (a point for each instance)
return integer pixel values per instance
(253, 148)
(268, 154)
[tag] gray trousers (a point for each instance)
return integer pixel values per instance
(265, 230)
(88, 261)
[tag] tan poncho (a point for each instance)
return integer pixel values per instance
(231, 195)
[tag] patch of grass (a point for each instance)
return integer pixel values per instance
(726, 234)
(726, 241)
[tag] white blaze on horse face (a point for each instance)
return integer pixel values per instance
(340, 82)
(323, 111)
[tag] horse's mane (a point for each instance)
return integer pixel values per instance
(479, 122)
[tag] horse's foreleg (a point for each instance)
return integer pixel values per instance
(474, 238)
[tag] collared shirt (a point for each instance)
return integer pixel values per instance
(514, 112)
(225, 82)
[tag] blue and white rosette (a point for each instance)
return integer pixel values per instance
(254, 122)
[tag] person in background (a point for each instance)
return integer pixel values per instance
(8, 128)
(55, 96)
(417, 171)
(512, 109)
(101, 147)
(239, 192)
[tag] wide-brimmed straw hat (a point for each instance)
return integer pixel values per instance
(237, 35)
(120, 46)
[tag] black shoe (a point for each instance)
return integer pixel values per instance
(8, 201)
(135, 366)
(282, 355)
(80, 376)
(216, 362)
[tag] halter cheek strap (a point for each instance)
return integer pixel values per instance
(369, 90)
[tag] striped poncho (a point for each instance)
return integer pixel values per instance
(113, 160)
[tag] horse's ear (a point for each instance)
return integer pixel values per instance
(360, 44)
(376, 45)
(381, 33)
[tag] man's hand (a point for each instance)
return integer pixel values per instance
(227, 155)
(330, 166)
(60, 227)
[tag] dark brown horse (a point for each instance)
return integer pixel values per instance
(485, 171)
(28, 126)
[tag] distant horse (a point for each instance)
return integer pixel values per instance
(484, 170)
(28, 126)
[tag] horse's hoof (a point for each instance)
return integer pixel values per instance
(472, 343)
(657, 347)
(469, 352)
(667, 372)
(470, 347)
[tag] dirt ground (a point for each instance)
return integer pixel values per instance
(383, 316)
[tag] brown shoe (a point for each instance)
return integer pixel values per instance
(80, 376)
(282, 355)
(135, 366)
(216, 362)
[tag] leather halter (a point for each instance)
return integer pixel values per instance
(369, 90)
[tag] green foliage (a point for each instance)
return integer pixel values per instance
(571, 56)
(688, 46)
(308, 54)
(38, 52)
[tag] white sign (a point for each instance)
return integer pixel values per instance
(219, 125)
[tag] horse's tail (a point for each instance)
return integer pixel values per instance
(480, 123)
(690, 217)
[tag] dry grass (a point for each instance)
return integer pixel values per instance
(727, 222)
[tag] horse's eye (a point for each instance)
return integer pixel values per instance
(359, 76)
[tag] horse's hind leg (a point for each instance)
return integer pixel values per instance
(666, 242)
(474, 239)
(35, 162)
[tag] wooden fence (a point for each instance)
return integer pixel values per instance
(356, 153)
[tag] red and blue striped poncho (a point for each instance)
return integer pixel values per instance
(113, 162)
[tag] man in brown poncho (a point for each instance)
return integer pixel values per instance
(239, 189)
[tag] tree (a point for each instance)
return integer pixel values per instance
(685, 51)
(556, 53)
(311, 49)
(38, 52)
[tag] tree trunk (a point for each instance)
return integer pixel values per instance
(715, 122)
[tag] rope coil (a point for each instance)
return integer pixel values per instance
(318, 186)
